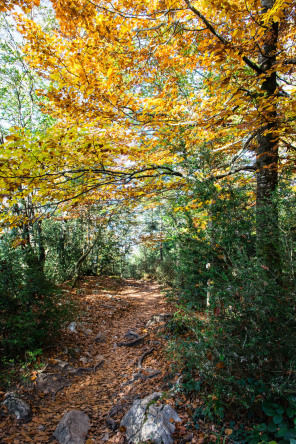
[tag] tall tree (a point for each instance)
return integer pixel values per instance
(131, 74)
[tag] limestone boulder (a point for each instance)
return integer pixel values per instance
(17, 407)
(147, 421)
(72, 428)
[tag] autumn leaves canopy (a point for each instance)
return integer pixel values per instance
(134, 88)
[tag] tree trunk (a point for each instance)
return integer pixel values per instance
(61, 245)
(41, 249)
(267, 156)
(83, 258)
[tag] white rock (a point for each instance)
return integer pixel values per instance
(146, 421)
(72, 327)
(100, 337)
(17, 406)
(72, 428)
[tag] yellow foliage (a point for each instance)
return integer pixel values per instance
(129, 80)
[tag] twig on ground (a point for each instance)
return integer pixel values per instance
(111, 423)
(98, 365)
(148, 352)
(78, 370)
(151, 376)
(132, 343)
(56, 392)
(187, 438)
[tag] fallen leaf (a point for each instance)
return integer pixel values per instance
(220, 365)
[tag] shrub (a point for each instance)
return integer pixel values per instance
(31, 309)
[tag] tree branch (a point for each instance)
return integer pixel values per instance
(234, 171)
(290, 62)
(225, 42)
(149, 29)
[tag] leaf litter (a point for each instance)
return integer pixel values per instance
(102, 364)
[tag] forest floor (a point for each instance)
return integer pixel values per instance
(90, 370)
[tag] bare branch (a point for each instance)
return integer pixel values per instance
(149, 29)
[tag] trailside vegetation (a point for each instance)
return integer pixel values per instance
(184, 112)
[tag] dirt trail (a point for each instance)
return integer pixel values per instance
(110, 309)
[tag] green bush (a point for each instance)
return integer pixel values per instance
(239, 350)
(31, 309)
(279, 426)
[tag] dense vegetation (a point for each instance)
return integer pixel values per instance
(233, 333)
(157, 140)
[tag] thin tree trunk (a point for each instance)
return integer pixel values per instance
(61, 245)
(82, 259)
(41, 249)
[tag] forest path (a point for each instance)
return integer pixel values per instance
(72, 378)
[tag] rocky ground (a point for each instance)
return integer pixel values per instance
(105, 361)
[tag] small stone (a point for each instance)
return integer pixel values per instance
(73, 352)
(48, 382)
(72, 327)
(86, 331)
(72, 428)
(61, 364)
(100, 337)
(158, 319)
(17, 406)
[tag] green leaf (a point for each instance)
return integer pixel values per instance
(272, 427)
(282, 430)
(268, 409)
(290, 412)
(277, 419)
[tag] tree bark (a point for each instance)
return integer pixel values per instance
(41, 249)
(267, 156)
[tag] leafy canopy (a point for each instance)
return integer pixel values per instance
(135, 88)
